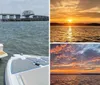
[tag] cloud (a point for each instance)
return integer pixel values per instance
(88, 14)
(95, 61)
(90, 53)
(55, 2)
(72, 55)
(65, 14)
(60, 49)
(64, 9)
(63, 59)
(88, 4)
(57, 49)
(63, 3)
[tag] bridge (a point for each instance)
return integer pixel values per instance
(6, 16)
(27, 15)
(12, 16)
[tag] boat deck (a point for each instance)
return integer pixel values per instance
(20, 65)
(36, 77)
(27, 70)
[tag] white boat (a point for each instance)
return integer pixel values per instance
(2, 53)
(27, 70)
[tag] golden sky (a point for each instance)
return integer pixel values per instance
(70, 71)
(78, 10)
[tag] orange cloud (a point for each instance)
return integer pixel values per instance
(70, 49)
(57, 49)
(66, 48)
(82, 10)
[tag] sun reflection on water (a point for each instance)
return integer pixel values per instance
(69, 36)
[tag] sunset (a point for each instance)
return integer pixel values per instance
(75, 58)
(75, 38)
(83, 11)
(75, 21)
(70, 20)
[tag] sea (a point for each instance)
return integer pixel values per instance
(75, 79)
(23, 37)
(75, 33)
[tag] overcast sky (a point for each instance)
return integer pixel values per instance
(84, 10)
(18, 6)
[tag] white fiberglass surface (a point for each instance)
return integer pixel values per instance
(20, 65)
(36, 77)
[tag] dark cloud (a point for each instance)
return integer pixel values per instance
(88, 14)
(90, 53)
(79, 56)
(56, 2)
(88, 4)
(53, 56)
(79, 47)
(99, 47)
(63, 3)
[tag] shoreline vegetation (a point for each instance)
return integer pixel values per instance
(74, 24)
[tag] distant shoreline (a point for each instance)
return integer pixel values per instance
(75, 24)
(77, 74)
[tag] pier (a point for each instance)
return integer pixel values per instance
(25, 16)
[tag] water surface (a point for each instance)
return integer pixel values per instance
(23, 37)
(75, 33)
(75, 79)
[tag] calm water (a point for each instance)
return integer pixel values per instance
(23, 37)
(75, 79)
(75, 33)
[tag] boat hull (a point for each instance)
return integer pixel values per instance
(35, 76)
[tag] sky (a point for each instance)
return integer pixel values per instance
(39, 7)
(84, 11)
(75, 58)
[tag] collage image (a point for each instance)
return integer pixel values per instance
(75, 42)
(50, 42)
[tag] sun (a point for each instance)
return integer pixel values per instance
(69, 20)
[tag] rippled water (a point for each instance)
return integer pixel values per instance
(75, 33)
(75, 79)
(23, 37)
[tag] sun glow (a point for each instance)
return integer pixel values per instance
(70, 20)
